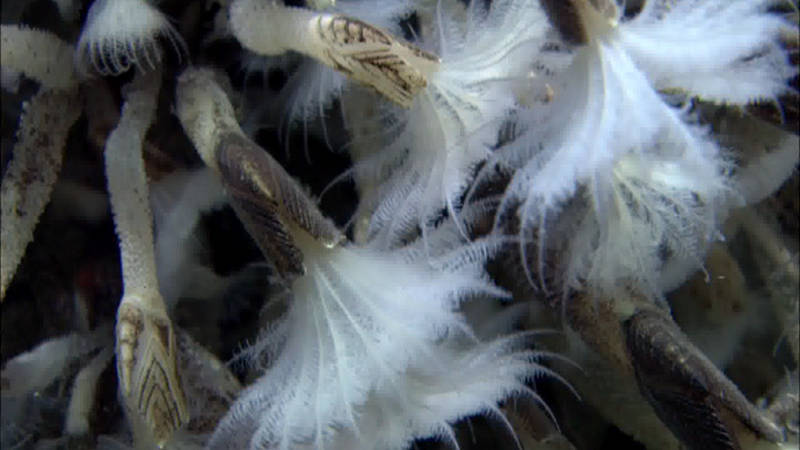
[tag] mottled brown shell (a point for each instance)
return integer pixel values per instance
(395, 69)
(269, 201)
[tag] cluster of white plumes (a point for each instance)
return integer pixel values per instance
(582, 107)
(607, 163)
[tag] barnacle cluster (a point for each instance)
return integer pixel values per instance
(391, 224)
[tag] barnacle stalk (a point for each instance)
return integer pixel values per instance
(39, 55)
(83, 393)
(146, 346)
(29, 179)
(42, 134)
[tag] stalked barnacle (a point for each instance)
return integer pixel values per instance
(360, 316)
(266, 199)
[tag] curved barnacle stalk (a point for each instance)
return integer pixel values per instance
(266, 199)
(83, 394)
(146, 344)
(42, 134)
(395, 69)
(38, 54)
(26, 186)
